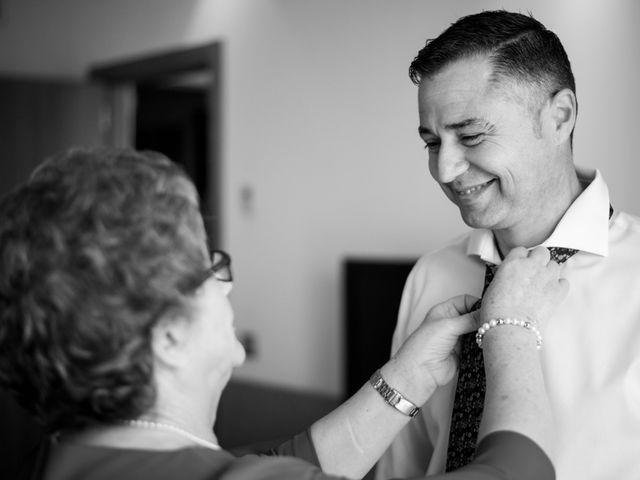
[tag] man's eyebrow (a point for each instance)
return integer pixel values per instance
(469, 122)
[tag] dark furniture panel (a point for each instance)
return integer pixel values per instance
(372, 292)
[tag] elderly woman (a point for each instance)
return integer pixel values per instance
(116, 331)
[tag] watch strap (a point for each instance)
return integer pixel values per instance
(392, 396)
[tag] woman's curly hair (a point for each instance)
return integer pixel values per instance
(95, 248)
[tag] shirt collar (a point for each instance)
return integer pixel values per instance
(584, 226)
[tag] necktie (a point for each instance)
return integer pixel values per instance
(470, 389)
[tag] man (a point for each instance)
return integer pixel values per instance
(497, 108)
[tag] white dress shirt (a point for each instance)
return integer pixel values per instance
(591, 351)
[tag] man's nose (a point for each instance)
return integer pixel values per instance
(451, 163)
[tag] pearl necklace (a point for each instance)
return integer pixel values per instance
(172, 428)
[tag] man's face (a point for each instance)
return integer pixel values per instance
(487, 148)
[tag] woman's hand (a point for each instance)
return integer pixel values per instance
(428, 353)
(349, 440)
(526, 286)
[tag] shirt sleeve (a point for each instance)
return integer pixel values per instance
(294, 459)
(505, 456)
(300, 446)
(501, 456)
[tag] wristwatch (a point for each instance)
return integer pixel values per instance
(392, 396)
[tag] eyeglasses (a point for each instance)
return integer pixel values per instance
(220, 266)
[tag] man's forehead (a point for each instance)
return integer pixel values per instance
(448, 103)
(457, 109)
(457, 90)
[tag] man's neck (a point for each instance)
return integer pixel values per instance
(536, 232)
(507, 240)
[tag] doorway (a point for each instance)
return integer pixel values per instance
(175, 122)
(170, 102)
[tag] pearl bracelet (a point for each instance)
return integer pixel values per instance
(496, 322)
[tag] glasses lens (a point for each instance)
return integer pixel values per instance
(221, 266)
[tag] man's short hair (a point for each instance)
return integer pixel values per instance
(518, 46)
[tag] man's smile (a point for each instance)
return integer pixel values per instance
(470, 190)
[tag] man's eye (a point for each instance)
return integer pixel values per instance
(471, 140)
(432, 146)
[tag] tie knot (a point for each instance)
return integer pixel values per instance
(561, 254)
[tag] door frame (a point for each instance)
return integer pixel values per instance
(155, 66)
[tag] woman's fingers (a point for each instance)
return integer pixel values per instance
(540, 253)
(465, 323)
(564, 287)
(527, 285)
(517, 252)
(452, 307)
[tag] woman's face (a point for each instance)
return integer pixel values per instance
(214, 343)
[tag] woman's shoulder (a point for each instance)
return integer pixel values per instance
(100, 463)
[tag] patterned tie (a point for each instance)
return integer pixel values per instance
(470, 389)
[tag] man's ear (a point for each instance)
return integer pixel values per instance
(563, 109)
(169, 341)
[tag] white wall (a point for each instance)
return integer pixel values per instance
(320, 124)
